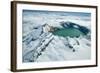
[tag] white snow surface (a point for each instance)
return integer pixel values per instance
(50, 47)
(57, 51)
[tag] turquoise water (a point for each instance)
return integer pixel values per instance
(72, 32)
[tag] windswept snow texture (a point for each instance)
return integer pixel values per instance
(41, 45)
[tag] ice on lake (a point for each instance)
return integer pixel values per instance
(71, 41)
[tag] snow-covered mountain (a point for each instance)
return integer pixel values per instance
(40, 44)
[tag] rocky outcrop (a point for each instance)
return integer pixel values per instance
(38, 41)
(33, 54)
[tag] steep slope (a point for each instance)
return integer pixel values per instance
(45, 46)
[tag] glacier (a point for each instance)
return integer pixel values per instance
(41, 45)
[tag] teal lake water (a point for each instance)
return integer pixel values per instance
(72, 32)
